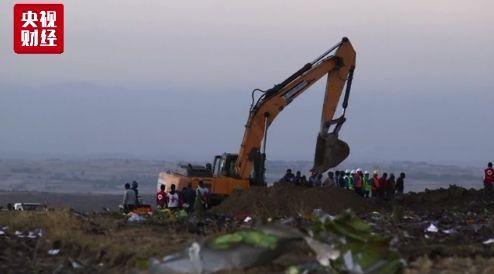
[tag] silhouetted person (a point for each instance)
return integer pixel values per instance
(135, 185)
(488, 180)
(383, 182)
(297, 180)
(400, 184)
(390, 187)
(189, 196)
(201, 201)
(129, 199)
(288, 177)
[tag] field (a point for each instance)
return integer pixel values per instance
(444, 230)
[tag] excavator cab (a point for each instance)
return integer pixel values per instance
(224, 165)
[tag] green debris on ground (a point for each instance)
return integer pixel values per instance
(250, 237)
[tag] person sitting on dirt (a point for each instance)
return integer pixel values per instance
(173, 198)
(161, 197)
(330, 181)
(400, 184)
(304, 181)
(288, 177)
(188, 197)
(488, 179)
(367, 184)
(129, 200)
(375, 184)
(201, 202)
(390, 187)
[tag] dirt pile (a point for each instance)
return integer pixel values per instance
(451, 197)
(286, 200)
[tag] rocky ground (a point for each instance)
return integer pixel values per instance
(439, 231)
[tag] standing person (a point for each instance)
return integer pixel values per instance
(173, 199)
(129, 201)
(288, 178)
(350, 181)
(367, 182)
(390, 187)
(313, 179)
(201, 202)
(400, 184)
(375, 184)
(336, 178)
(357, 179)
(488, 179)
(383, 182)
(136, 193)
(161, 198)
(342, 180)
(330, 181)
(189, 196)
(298, 178)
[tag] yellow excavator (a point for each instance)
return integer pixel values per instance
(230, 172)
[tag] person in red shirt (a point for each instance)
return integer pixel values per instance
(488, 179)
(383, 182)
(161, 198)
(375, 184)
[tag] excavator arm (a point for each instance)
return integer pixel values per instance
(330, 151)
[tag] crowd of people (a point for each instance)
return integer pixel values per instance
(188, 199)
(376, 186)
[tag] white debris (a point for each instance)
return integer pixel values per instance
(247, 219)
(2, 232)
(31, 235)
(135, 218)
(324, 252)
(432, 228)
(488, 242)
(350, 265)
(53, 251)
(448, 231)
(18, 234)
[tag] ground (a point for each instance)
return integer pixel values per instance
(106, 242)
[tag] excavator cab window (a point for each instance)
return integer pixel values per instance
(224, 165)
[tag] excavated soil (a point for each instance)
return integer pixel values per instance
(287, 200)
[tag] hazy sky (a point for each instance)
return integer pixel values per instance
(172, 79)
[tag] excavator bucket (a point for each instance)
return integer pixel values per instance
(330, 152)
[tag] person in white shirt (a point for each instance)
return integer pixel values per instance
(173, 199)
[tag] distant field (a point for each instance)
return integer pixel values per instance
(107, 176)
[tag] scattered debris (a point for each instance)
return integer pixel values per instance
(432, 228)
(135, 218)
(488, 242)
(53, 252)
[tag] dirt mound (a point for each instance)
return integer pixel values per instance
(451, 197)
(286, 200)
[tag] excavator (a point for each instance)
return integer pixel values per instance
(230, 172)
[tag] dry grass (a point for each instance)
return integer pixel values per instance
(96, 239)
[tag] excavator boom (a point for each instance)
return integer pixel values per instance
(330, 150)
